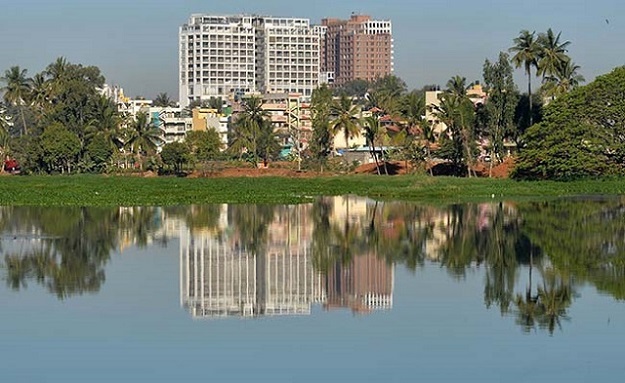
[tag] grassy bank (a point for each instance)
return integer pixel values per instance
(130, 191)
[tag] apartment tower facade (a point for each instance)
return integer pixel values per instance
(358, 48)
(222, 56)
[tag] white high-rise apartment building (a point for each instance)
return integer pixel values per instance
(288, 55)
(217, 57)
(221, 56)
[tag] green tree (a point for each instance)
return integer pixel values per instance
(355, 88)
(566, 79)
(204, 145)
(526, 54)
(582, 134)
(413, 111)
(552, 54)
(321, 108)
(457, 113)
(346, 118)
(501, 104)
(60, 148)
(142, 137)
(163, 100)
(371, 126)
(253, 133)
(175, 154)
(99, 152)
(17, 90)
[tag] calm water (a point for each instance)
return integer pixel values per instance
(341, 289)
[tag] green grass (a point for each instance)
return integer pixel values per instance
(92, 190)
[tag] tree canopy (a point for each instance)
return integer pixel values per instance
(582, 134)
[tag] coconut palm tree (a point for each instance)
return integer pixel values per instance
(249, 127)
(39, 96)
(347, 118)
(371, 127)
(5, 135)
(413, 112)
(526, 53)
(552, 53)
(565, 79)
(16, 90)
(142, 136)
(104, 120)
(163, 100)
(457, 113)
(457, 85)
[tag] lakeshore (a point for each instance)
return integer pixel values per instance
(98, 190)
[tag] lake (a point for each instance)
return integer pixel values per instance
(344, 288)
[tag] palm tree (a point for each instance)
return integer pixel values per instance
(57, 70)
(16, 90)
(457, 85)
(372, 129)
(104, 120)
(565, 79)
(39, 95)
(526, 53)
(552, 53)
(413, 112)
(347, 118)
(457, 112)
(249, 126)
(142, 136)
(163, 100)
(5, 125)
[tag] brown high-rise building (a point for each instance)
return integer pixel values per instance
(358, 48)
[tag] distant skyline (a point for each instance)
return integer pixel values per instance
(134, 42)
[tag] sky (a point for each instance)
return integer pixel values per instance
(134, 42)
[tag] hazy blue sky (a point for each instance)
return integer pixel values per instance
(134, 42)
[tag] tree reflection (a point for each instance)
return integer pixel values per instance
(533, 255)
(66, 249)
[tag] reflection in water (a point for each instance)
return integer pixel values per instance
(262, 260)
(265, 267)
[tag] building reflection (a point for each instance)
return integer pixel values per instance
(220, 276)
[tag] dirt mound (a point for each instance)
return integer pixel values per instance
(501, 170)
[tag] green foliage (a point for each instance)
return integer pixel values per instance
(355, 88)
(321, 106)
(346, 118)
(28, 152)
(175, 155)
(204, 145)
(582, 134)
(60, 148)
(99, 151)
(502, 102)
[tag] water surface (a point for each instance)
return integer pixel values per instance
(340, 289)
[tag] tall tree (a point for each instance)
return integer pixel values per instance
(347, 118)
(253, 131)
(552, 53)
(457, 113)
(371, 127)
(321, 108)
(526, 52)
(566, 79)
(16, 90)
(501, 103)
(582, 134)
(163, 100)
(413, 111)
(142, 137)
(457, 86)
